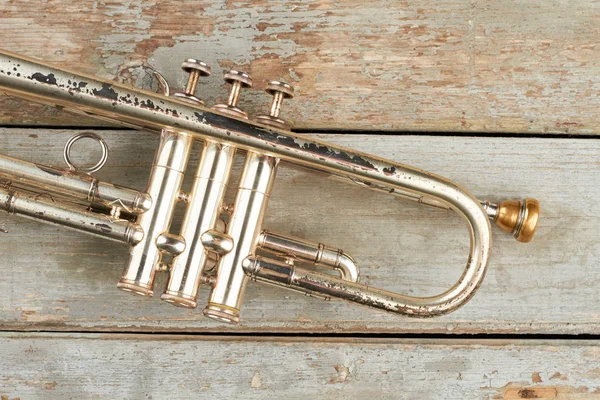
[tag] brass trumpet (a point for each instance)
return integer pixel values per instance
(224, 256)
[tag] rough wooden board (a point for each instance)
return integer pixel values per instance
(416, 65)
(56, 366)
(57, 279)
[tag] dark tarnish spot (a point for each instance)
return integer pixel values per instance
(199, 116)
(274, 137)
(50, 171)
(49, 79)
(389, 171)
(76, 87)
(107, 92)
(125, 99)
(148, 104)
(104, 228)
(341, 156)
(232, 125)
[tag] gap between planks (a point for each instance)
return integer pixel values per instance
(375, 132)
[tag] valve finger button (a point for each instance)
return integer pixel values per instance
(279, 91)
(237, 80)
(195, 68)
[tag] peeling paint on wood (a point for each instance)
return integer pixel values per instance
(165, 366)
(61, 280)
(412, 65)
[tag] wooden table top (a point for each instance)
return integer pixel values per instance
(500, 97)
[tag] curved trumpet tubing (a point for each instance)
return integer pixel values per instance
(182, 119)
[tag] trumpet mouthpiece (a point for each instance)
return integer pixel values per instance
(519, 217)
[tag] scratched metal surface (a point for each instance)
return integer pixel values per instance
(506, 66)
(59, 280)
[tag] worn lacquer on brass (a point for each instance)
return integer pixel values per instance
(223, 245)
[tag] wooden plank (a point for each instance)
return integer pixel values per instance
(61, 280)
(56, 366)
(414, 65)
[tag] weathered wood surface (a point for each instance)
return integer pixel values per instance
(58, 366)
(61, 280)
(502, 66)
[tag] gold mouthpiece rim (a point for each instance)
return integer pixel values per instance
(519, 217)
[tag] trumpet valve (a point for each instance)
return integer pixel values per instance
(195, 68)
(237, 80)
(279, 91)
(518, 217)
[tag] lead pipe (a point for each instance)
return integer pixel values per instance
(41, 209)
(327, 287)
(83, 187)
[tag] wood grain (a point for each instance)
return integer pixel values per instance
(413, 65)
(61, 280)
(58, 366)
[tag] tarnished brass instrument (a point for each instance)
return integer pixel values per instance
(238, 247)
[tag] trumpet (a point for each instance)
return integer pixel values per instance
(223, 246)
